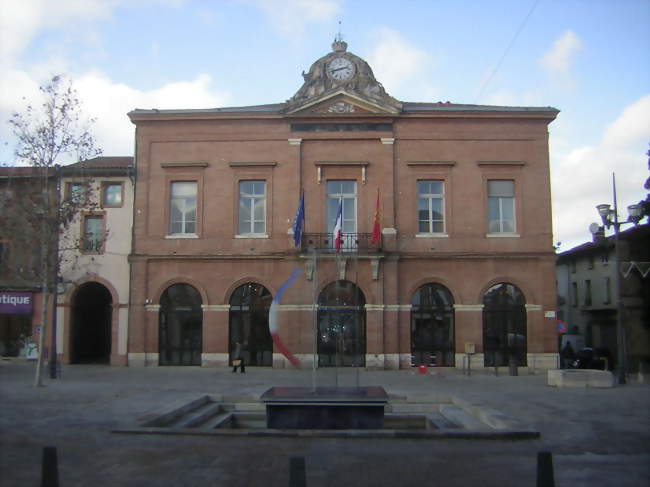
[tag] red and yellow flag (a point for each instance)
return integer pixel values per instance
(376, 227)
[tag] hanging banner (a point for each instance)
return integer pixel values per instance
(15, 303)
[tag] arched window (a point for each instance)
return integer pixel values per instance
(249, 324)
(341, 325)
(504, 326)
(181, 326)
(432, 326)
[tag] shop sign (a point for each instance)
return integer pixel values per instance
(13, 303)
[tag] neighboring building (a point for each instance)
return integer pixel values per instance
(23, 193)
(588, 298)
(93, 296)
(465, 255)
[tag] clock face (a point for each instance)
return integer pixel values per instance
(340, 68)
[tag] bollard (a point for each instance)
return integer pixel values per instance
(50, 468)
(422, 369)
(297, 477)
(545, 476)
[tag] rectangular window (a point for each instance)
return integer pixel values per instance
(574, 294)
(587, 292)
(252, 208)
(431, 207)
(112, 195)
(76, 192)
(608, 290)
(345, 193)
(501, 206)
(93, 233)
(590, 261)
(182, 211)
(573, 265)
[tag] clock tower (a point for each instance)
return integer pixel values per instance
(342, 82)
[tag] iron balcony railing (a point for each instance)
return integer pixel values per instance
(350, 242)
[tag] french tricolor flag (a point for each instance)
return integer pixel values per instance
(338, 227)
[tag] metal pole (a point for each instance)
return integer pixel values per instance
(620, 332)
(314, 318)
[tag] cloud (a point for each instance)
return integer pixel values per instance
(631, 126)
(291, 16)
(582, 178)
(109, 102)
(21, 20)
(559, 59)
(395, 61)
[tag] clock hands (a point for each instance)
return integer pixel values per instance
(339, 69)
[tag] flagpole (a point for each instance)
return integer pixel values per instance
(314, 315)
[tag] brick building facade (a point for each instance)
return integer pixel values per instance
(465, 255)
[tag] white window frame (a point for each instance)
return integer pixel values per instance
(501, 200)
(184, 221)
(430, 197)
(253, 198)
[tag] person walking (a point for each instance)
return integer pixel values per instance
(568, 356)
(238, 360)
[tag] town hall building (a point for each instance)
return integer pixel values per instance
(464, 262)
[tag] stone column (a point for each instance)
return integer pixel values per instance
(215, 335)
(137, 313)
(468, 328)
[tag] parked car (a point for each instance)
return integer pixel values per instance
(594, 358)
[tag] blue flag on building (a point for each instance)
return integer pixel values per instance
(299, 221)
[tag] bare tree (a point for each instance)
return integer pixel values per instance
(48, 135)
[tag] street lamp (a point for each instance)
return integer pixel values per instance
(609, 217)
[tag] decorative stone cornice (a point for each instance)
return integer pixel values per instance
(215, 307)
(468, 307)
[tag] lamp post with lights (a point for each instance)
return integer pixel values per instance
(609, 217)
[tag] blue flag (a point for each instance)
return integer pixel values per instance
(298, 221)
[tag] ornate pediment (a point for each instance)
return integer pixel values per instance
(341, 82)
(341, 102)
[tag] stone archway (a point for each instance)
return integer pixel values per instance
(180, 333)
(341, 337)
(249, 324)
(504, 326)
(90, 328)
(432, 326)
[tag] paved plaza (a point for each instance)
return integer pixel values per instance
(598, 437)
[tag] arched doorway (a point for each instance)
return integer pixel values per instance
(341, 326)
(249, 324)
(432, 326)
(504, 326)
(181, 326)
(90, 328)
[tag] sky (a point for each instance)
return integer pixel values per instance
(588, 58)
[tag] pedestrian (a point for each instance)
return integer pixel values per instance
(238, 357)
(568, 356)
